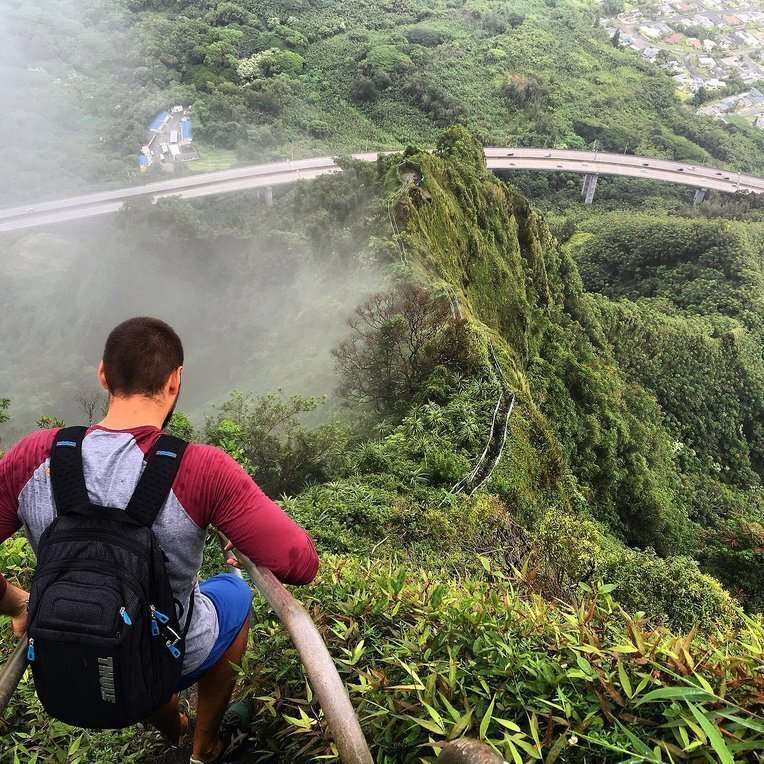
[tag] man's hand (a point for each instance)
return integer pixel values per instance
(19, 621)
(14, 604)
(232, 559)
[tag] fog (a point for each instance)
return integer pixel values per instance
(72, 97)
(255, 313)
(257, 296)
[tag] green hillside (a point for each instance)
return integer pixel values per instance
(291, 78)
(520, 529)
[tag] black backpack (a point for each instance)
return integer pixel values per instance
(105, 643)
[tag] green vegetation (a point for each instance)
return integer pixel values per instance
(212, 159)
(541, 518)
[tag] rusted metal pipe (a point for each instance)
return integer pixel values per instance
(322, 673)
(11, 673)
(468, 751)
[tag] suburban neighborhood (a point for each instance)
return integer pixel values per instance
(705, 45)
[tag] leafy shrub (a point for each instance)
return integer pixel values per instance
(439, 104)
(387, 60)
(270, 63)
(733, 551)
(424, 36)
(398, 339)
(268, 439)
(671, 591)
(318, 128)
(365, 90)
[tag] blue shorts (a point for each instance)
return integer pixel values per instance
(232, 599)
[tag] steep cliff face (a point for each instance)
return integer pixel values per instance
(484, 243)
(591, 465)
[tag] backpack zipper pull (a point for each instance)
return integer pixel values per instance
(159, 615)
(125, 616)
(30, 650)
(173, 650)
(154, 624)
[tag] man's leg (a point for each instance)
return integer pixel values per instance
(169, 721)
(215, 690)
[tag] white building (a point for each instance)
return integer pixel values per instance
(651, 32)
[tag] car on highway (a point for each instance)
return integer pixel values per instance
(644, 171)
(680, 169)
(511, 154)
(645, 164)
(548, 155)
(718, 173)
(559, 165)
(30, 209)
(726, 177)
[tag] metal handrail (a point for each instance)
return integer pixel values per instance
(322, 673)
(468, 751)
(326, 682)
(11, 673)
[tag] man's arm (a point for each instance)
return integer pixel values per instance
(12, 599)
(256, 526)
(16, 468)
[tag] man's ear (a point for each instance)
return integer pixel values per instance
(173, 383)
(102, 377)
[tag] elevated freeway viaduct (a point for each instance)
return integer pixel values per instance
(590, 164)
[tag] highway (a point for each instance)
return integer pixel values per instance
(276, 173)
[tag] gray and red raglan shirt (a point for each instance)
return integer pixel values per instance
(209, 489)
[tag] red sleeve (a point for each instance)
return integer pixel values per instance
(16, 468)
(216, 491)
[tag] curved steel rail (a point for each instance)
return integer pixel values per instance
(467, 751)
(11, 673)
(324, 679)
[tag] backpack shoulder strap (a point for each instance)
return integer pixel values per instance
(66, 475)
(156, 481)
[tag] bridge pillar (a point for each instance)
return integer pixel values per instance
(269, 196)
(700, 195)
(590, 184)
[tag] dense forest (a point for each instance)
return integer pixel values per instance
(526, 435)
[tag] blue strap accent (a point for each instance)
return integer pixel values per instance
(69, 443)
(167, 453)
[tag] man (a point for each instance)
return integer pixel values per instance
(141, 370)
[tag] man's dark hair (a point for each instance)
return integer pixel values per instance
(140, 355)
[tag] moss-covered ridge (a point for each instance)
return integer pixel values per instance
(589, 468)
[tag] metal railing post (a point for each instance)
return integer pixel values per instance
(468, 751)
(11, 673)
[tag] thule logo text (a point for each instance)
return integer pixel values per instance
(106, 679)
